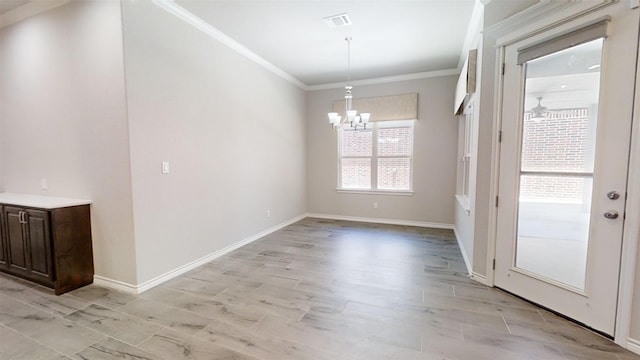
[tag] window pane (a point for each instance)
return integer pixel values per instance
(465, 174)
(394, 173)
(394, 141)
(553, 227)
(558, 147)
(357, 143)
(562, 141)
(356, 173)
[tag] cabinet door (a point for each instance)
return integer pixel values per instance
(15, 240)
(38, 240)
(3, 237)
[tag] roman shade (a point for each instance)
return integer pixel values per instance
(384, 108)
(595, 30)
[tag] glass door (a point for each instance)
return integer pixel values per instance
(566, 120)
(559, 124)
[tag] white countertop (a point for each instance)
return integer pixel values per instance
(40, 201)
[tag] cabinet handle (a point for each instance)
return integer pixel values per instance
(21, 218)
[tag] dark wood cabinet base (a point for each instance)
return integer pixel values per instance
(51, 247)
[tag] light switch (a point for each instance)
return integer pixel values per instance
(165, 167)
(43, 184)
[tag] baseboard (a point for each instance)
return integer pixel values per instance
(467, 262)
(479, 278)
(140, 288)
(115, 284)
(382, 221)
(633, 345)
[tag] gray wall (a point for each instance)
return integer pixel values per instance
(233, 133)
(63, 118)
(635, 314)
(434, 156)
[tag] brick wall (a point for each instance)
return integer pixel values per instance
(558, 143)
(394, 149)
(394, 172)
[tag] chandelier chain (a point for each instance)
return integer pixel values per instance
(348, 39)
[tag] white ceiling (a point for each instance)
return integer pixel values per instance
(390, 38)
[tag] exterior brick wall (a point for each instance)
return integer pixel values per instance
(392, 161)
(558, 143)
(394, 172)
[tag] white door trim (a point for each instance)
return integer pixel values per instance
(631, 235)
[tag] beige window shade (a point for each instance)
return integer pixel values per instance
(384, 108)
(595, 30)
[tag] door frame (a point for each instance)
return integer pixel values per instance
(560, 16)
(631, 235)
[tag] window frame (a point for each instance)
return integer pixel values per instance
(374, 127)
(465, 157)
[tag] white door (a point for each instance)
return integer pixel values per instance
(566, 125)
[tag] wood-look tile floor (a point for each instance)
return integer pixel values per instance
(318, 289)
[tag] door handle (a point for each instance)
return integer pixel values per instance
(611, 214)
(22, 217)
(613, 195)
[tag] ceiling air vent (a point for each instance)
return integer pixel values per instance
(337, 20)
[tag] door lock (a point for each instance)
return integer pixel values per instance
(613, 195)
(611, 214)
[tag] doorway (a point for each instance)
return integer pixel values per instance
(566, 124)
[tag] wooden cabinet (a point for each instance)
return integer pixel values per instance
(3, 248)
(28, 247)
(50, 246)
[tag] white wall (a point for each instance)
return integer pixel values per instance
(434, 156)
(477, 223)
(233, 133)
(63, 118)
(465, 214)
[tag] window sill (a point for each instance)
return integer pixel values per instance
(376, 192)
(464, 203)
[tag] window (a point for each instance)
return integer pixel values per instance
(378, 158)
(465, 132)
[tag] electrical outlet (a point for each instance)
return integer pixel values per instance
(43, 184)
(165, 167)
(375, 205)
(269, 213)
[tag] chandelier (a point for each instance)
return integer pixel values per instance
(350, 117)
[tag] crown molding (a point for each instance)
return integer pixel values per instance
(28, 10)
(178, 11)
(386, 79)
(171, 7)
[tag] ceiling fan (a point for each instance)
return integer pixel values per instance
(538, 112)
